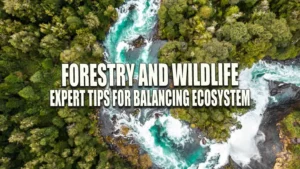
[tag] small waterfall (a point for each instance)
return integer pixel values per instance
(242, 144)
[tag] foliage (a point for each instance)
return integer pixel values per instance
(226, 31)
(291, 126)
(249, 30)
(36, 37)
(130, 151)
(214, 122)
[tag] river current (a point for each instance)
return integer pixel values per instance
(167, 140)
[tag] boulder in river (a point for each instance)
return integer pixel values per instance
(132, 7)
(139, 42)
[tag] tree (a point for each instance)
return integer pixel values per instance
(35, 34)
(28, 93)
(220, 50)
(279, 29)
(232, 10)
(205, 12)
(226, 31)
(51, 46)
(92, 21)
(24, 40)
(74, 23)
(170, 52)
(235, 33)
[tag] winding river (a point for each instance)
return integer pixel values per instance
(169, 141)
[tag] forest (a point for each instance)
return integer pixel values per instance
(242, 31)
(229, 30)
(226, 31)
(37, 36)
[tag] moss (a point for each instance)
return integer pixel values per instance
(291, 124)
(291, 128)
(130, 151)
(124, 130)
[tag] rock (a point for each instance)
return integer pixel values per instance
(115, 132)
(139, 42)
(154, 50)
(295, 124)
(274, 92)
(114, 119)
(132, 7)
(294, 61)
(157, 115)
(203, 141)
(232, 165)
(275, 143)
(295, 140)
(273, 150)
(136, 112)
(284, 155)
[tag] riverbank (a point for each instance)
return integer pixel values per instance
(169, 142)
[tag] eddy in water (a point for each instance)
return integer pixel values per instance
(170, 142)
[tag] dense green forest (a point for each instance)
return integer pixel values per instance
(229, 30)
(226, 31)
(36, 37)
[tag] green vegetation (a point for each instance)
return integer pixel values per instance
(130, 151)
(36, 37)
(214, 122)
(229, 30)
(291, 128)
(226, 31)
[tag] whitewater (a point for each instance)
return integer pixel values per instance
(167, 140)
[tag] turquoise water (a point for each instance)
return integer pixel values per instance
(241, 146)
(131, 24)
(169, 142)
(277, 72)
(165, 149)
(187, 159)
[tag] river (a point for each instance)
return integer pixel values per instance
(167, 140)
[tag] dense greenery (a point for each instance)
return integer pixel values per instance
(291, 127)
(226, 31)
(215, 122)
(36, 37)
(229, 30)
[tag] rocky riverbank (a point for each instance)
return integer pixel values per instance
(295, 61)
(273, 146)
(272, 141)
